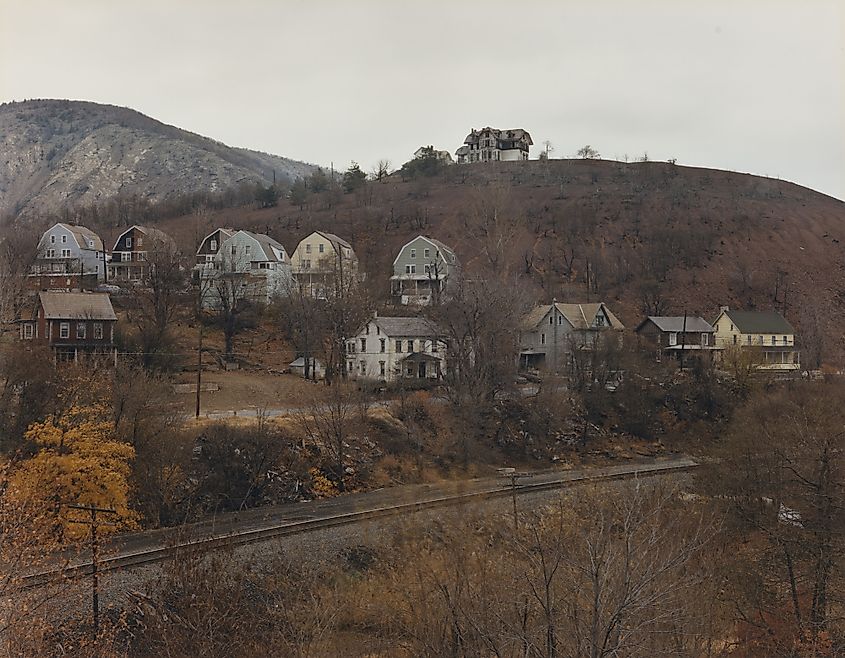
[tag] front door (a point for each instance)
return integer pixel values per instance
(421, 374)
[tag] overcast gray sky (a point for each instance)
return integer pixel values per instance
(748, 85)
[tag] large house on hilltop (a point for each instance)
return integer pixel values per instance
(69, 258)
(132, 251)
(324, 264)
(423, 271)
(765, 332)
(72, 324)
(678, 335)
(551, 332)
(492, 145)
(395, 348)
(247, 267)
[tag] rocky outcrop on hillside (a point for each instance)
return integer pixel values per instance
(56, 153)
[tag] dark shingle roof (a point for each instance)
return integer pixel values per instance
(77, 306)
(675, 323)
(411, 327)
(760, 322)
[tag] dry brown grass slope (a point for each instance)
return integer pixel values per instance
(683, 238)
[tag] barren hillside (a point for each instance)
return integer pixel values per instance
(640, 236)
(57, 153)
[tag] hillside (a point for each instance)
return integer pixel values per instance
(58, 153)
(643, 236)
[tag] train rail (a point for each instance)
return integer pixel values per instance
(479, 490)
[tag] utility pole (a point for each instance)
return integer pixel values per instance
(683, 339)
(93, 522)
(199, 366)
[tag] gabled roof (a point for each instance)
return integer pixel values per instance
(579, 316)
(512, 134)
(225, 234)
(273, 250)
(153, 233)
(446, 251)
(82, 235)
(412, 327)
(76, 306)
(759, 322)
(675, 323)
(331, 237)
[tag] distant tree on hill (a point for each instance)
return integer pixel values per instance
(353, 178)
(268, 196)
(546, 153)
(298, 194)
(382, 169)
(318, 182)
(425, 164)
(588, 153)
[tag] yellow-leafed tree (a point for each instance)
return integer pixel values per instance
(79, 462)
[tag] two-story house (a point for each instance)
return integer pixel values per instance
(766, 333)
(72, 324)
(324, 265)
(680, 336)
(423, 271)
(210, 245)
(493, 145)
(132, 251)
(247, 267)
(550, 332)
(394, 348)
(69, 257)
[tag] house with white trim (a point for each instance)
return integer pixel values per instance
(393, 348)
(132, 251)
(766, 334)
(423, 271)
(494, 145)
(69, 257)
(324, 264)
(248, 266)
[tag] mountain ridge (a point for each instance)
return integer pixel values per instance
(63, 152)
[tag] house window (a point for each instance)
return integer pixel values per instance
(234, 249)
(363, 365)
(410, 269)
(363, 344)
(382, 345)
(65, 253)
(64, 239)
(413, 253)
(382, 369)
(247, 249)
(128, 243)
(560, 319)
(734, 339)
(213, 245)
(52, 239)
(704, 340)
(322, 248)
(427, 268)
(427, 253)
(398, 346)
(774, 340)
(748, 339)
(434, 346)
(27, 331)
(350, 347)
(263, 266)
(542, 339)
(410, 345)
(551, 319)
(51, 253)
(64, 330)
(307, 248)
(673, 338)
(80, 330)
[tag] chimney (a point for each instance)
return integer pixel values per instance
(724, 309)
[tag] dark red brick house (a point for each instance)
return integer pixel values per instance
(73, 324)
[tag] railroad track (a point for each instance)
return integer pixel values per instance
(130, 559)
